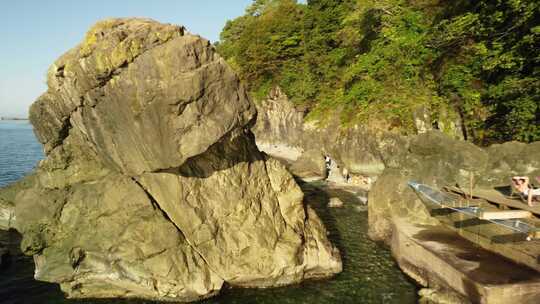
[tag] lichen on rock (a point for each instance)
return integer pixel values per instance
(152, 186)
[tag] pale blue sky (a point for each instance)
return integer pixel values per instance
(33, 33)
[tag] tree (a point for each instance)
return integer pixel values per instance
(376, 61)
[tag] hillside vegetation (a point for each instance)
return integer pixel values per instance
(377, 62)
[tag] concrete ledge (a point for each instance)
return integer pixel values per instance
(492, 237)
(438, 257)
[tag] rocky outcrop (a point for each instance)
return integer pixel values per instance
(310, 164)
(510, 159)
(278, 120)
(360, 150)
(355, 149)
(152, 186)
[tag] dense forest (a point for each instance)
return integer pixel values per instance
(378, 62)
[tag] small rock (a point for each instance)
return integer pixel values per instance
(363, 200)
(335, 203)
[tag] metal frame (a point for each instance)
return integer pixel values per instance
(443, 200)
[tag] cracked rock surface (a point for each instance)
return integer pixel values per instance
(152, 186)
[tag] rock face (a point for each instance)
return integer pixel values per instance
(310, 164)
(278, 120)
(153, 186)
(280, 123)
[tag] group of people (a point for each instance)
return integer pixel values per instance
(523, 186)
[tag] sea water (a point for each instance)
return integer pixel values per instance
(19, 150)
(369, 275)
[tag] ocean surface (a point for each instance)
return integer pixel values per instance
(19, 150)
(369, 273)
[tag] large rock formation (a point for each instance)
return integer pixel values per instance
(152, 186)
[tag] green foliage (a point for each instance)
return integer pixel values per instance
(375, 62)
(490, 71)
(388, 81)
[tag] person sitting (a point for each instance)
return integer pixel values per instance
(523, 186)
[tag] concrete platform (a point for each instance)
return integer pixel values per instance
(438, 257)
(495, 238)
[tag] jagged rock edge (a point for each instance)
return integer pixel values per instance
(280, 209)
(66, 123)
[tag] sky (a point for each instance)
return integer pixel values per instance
(34, 33)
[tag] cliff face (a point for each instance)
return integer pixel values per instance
(356, 149)
(152, 186)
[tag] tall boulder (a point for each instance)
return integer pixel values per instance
(152, 186)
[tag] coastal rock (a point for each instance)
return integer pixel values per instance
(511, 159)
(278, 120)
(310, 164)
(152, 186)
